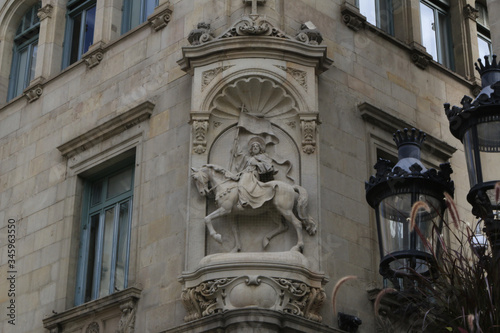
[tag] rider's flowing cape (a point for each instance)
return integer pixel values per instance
(252, 192)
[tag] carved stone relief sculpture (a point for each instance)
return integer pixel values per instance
(244, 194)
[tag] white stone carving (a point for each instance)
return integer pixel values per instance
(200, 128)
(297, 74)
(209, 75)
(45, 11)
(308, 136)
(267, 100)
(161, 16)
(276, 281)
(233, 196)
(127, 319)
(92, 328)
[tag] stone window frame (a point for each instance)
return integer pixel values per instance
(407, 35)
(107, 144)
(380, 126)
(483, 30)
(126, 197)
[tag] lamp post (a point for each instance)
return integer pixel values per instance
(477, 125)
(392, 192)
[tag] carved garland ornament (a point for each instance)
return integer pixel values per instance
(209, 75)
(291, 296)
(200, 128)
(308, 136)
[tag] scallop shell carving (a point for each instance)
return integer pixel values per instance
(255, 95)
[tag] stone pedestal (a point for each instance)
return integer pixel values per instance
(264, 289)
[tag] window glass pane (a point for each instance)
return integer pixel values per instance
(34, 49)
(428, 30)
(95, 195)
(367, 8)
(484, 47)
(89, 29)
(27, 19)
(122, 251)
(107, 252)
(92, 250)
(21, 73)
(75, 38)
(443, 47)
(135, 13)
(119, 183)
(149, 8)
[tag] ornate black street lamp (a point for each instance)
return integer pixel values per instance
(477, 125)
(392, 192)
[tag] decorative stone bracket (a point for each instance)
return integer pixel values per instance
(280, 294)
(308, 127)
(161, 16)
(419, 55)
(45, 11)
(34, 90)
(200, 129)
(94, 55)
(471, 12)
(352, 17)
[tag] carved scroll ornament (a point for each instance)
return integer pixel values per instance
(290, 296)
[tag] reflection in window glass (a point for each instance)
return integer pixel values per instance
(378, 13)
(79, 30)
(105, 238)
(136, 12)
(436, 36)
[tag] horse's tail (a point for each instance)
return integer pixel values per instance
(301, 206)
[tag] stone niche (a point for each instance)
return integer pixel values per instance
(254, 108)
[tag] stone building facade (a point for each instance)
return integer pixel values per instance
(114, 114)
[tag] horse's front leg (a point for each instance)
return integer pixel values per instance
(208, 221)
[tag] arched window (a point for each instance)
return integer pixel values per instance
(24, 52)
(136, 12)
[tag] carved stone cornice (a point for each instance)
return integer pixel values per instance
(111, 127)
(390, 124)
(94, 55)
(34, 90)
(471, 13)
(45, 11)
(255, 47)
(352, 17)
(419, 55)
(161, 16)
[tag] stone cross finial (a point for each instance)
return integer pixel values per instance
(255, 3)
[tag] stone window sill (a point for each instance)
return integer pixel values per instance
(112, 313)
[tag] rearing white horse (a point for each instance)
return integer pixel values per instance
(283, 197)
